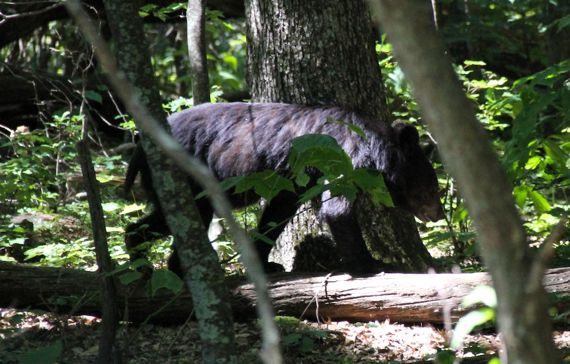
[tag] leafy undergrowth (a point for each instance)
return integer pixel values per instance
(32, 337)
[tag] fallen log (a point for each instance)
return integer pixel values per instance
(399, 297)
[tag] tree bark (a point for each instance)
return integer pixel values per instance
(204, 276)
(195, 18)
(410, 298)
(469, 158)
(323, 52)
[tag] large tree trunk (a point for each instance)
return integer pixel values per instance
(412, 298)
(517, 272)
(204, 276)
(323, 52)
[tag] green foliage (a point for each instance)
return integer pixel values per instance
(33, 176)
(322, 152)
(165, 279)
(297, 337)
(476, 318)
(527, 120)
(226, 56)
(266, 184)
(45, 354)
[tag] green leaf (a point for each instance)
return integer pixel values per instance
(226, 184)
(292, 339)
(558, 156)
(110, 206)
(312, 193)
(533, 162)
(481, 294)
(94, 96)
(563, 22)
(307, 344)
(474, 63)
(231, 60)
(45, 354)
(321, 152)
(540, 203)
(258, 236)
(467, 323)
(266, 184)
(445, 356)
(344, 189)
(521, 194)
(165, 279)
(373, 183)
(132, 208)
(129, 277)
(146, 10)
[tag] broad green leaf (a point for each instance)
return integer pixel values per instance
(540, 203)
(321, 152)
(165, 279)
(266, 184)
(521, 194)
(312, 193)
(533, 162)
(129, 277)
(93, 96)
(231, 60)
(373, 183)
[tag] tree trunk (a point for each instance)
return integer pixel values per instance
(411, 298)
(196, 37)
(323, 52)
(469, 158)
(109, 351)
(204, 277)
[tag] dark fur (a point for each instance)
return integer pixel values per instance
(237, 139)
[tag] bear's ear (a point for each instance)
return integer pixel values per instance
(406, 135)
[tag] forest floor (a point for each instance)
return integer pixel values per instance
(28, 337)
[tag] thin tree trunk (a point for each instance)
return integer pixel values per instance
(204, 277)
(195, 19)
(469, 158)
(108, 350)
(323, 52)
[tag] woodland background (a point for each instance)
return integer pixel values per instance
(512, 58)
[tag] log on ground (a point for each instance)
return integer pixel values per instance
(406, 298)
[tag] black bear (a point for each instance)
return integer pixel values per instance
(236, 139)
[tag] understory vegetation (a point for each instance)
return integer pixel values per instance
(502, 52)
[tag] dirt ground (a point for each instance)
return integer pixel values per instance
(28, 337)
